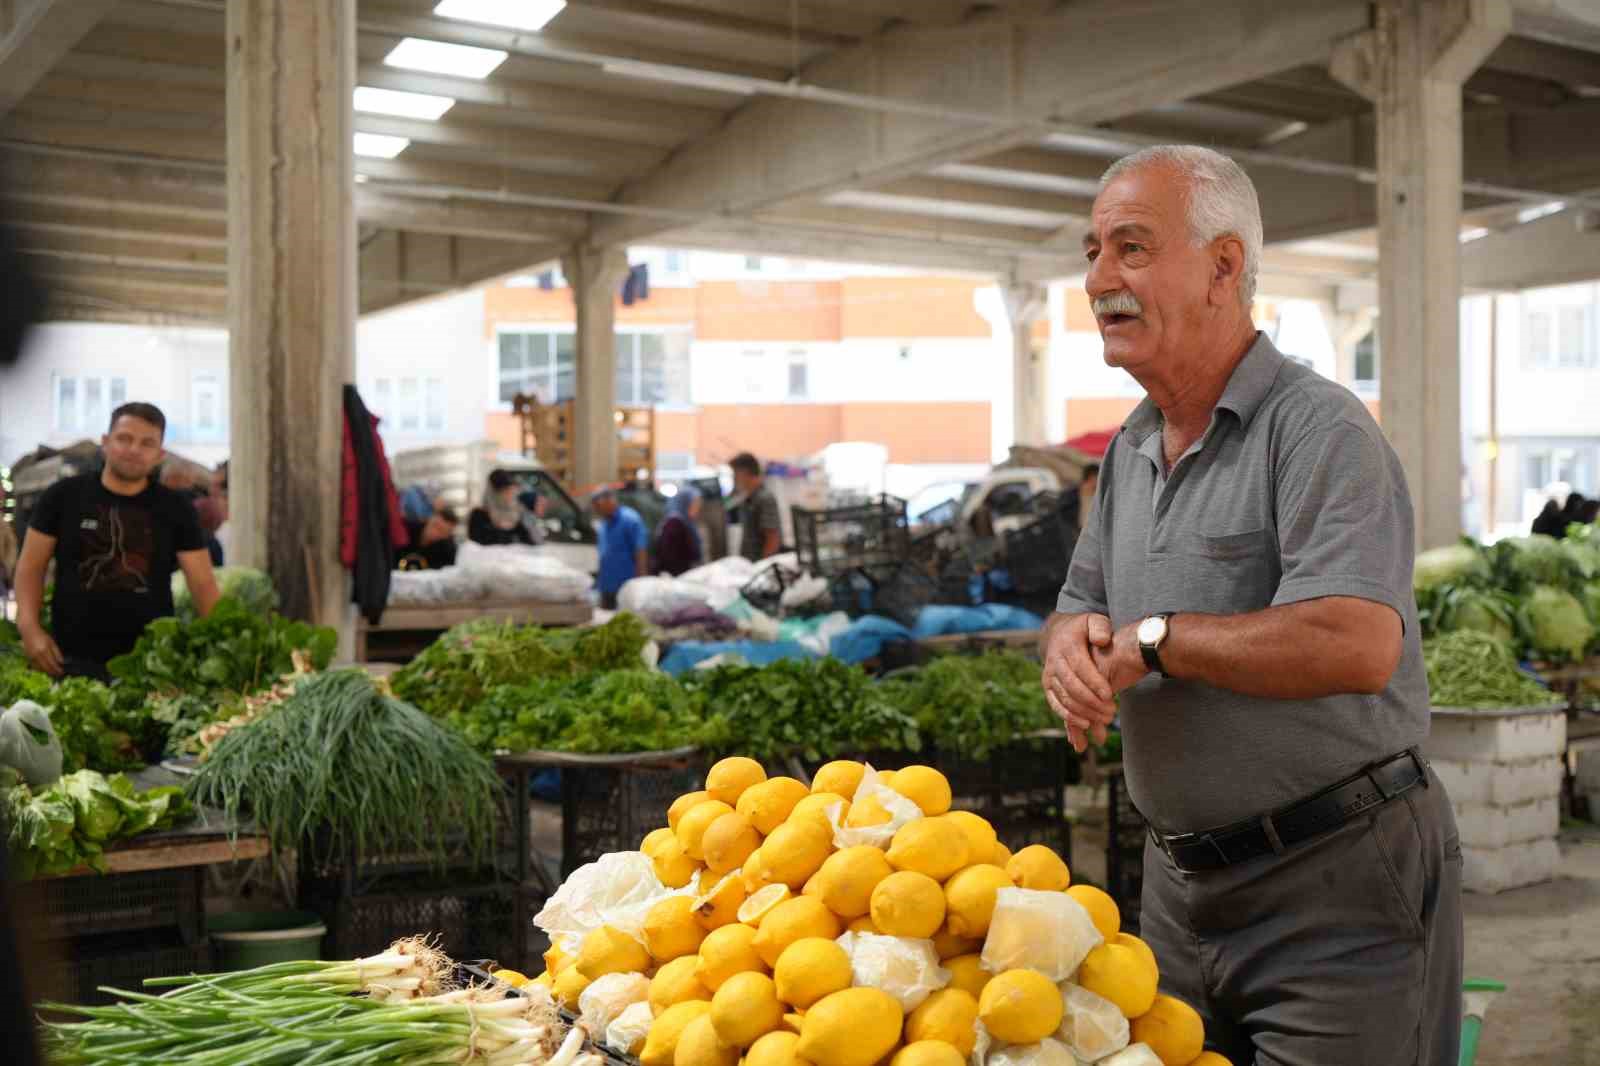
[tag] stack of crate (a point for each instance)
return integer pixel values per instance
(548, 431)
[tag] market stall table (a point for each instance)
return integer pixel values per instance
(405, 630)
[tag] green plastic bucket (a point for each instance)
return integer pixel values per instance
(244, 940)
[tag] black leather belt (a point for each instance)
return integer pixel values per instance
(1274, 833)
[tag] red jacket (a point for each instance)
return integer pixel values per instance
(349, 514)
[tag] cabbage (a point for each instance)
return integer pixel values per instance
(1455, 564)
(1520, 562)
(251, 587)
(98, 810)
(1591, 602)
(1482, 612)
(1555, 624)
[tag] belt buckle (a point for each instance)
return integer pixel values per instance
(1421, 765)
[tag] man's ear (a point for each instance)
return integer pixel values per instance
(1227, 271)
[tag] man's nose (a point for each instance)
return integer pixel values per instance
(1101, 278)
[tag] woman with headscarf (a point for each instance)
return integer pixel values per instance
(498, 518)
(678, 546)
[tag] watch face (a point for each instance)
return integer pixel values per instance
(1151, 630)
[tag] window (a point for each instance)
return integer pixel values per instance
(411, 404)
(752, 263)
(752, 362)
(542, 364)
(205, 407)
(1366, 368)
(84, 404)
(799, 387)
(1561, 337)
(674, 262)
(652, 368)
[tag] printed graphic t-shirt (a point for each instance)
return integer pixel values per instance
(115, 557)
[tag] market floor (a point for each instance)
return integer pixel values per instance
(1543, 941)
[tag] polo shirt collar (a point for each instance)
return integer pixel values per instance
(1247, 389)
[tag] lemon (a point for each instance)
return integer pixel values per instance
(673, 868)
(1210, 1058)
(1101, 907)
(725, 952)
(683, 805)
(671, 930)
(948, 945)
(810, 969)
(1037, 867)
(720, 906)
(759, 902)
(793, 1020)
(700, 1046)
(793, 919)
(816, 807)
(751, 875)
(841, 777)
(728, 842)
(661, 1044)
(1119, 974)
(730, 778)
(548, 980)
(933, 846)
(981, 837)
(769, 804)
(863, 924)
(693, 825)
(609, 950)
(926, 787)
(967, 973)
(908, 904)
(745, 1009)
(847, 878)
(569, 985)
(928, 1053)
(556, 960)
(774, 1049)
(950, 1015)
(1140, 948)
(1002, 856)
(1020, 1007)
(1172, 1029)
(886, 778)
(856, 1027)
(811, 887)
(969, 899)
(654, 839)
(867, 813)
(676, 983)
(794, 852)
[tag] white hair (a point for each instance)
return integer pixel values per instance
(1222, 199)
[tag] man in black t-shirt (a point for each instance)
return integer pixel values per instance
(116, 538)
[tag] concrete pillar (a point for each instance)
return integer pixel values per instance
(291, 290)
(595, 276)
(1030, 366)
(1412, 65)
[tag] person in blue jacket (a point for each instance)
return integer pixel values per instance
(624, 544)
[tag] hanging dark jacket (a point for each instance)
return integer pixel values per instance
(371, 528)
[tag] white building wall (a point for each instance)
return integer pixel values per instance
(862, 370)
(439, 345)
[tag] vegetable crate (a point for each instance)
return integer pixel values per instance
(120, 903)
(899, 591)
(833, 541)
(469, 921)
(606, 809)
(1037, 554)
(1125, 839)
(77, 969)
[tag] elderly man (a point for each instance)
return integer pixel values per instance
(1242, 594)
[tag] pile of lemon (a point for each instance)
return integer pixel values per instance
(748, 969)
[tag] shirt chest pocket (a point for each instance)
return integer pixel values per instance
(1224, 572)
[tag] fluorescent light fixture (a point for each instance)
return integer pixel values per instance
(1475, 234)
(362, 179)
(380, 145)
(686, 76)
(405, 105)
(530, 15)
(436, 57)
(1538, 211)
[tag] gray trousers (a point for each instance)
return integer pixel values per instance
(1343, 951)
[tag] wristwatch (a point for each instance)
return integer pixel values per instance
(1152, 632)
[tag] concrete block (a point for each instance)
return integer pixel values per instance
(1488, 737)
(1496, 827)
(1491, 870)
(1481, 784)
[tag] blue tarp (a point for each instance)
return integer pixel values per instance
(688, 654)
(941, 620)
(866, 637)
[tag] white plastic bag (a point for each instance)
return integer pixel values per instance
(657, 598)
(604, 1000)
(981, 1046)
(907, 969)
(1046, 1052)
(616, 890)
(1091, 1025)
(1045, 931)
(520, 572)
(902, 812)
(1133, 1055)
(626, 1034)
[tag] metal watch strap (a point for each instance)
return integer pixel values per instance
(1152, 652)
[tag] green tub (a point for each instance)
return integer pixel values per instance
(244, 940)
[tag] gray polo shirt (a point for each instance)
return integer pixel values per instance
(1292, 494)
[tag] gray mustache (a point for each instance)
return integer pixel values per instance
(1116, 303)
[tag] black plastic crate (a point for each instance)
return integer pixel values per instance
(611, 808)
(765, 590)
(903, 594)
(1037, 555)
(75, 970)
(832, 541)
(466, 920)
(120, 903)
